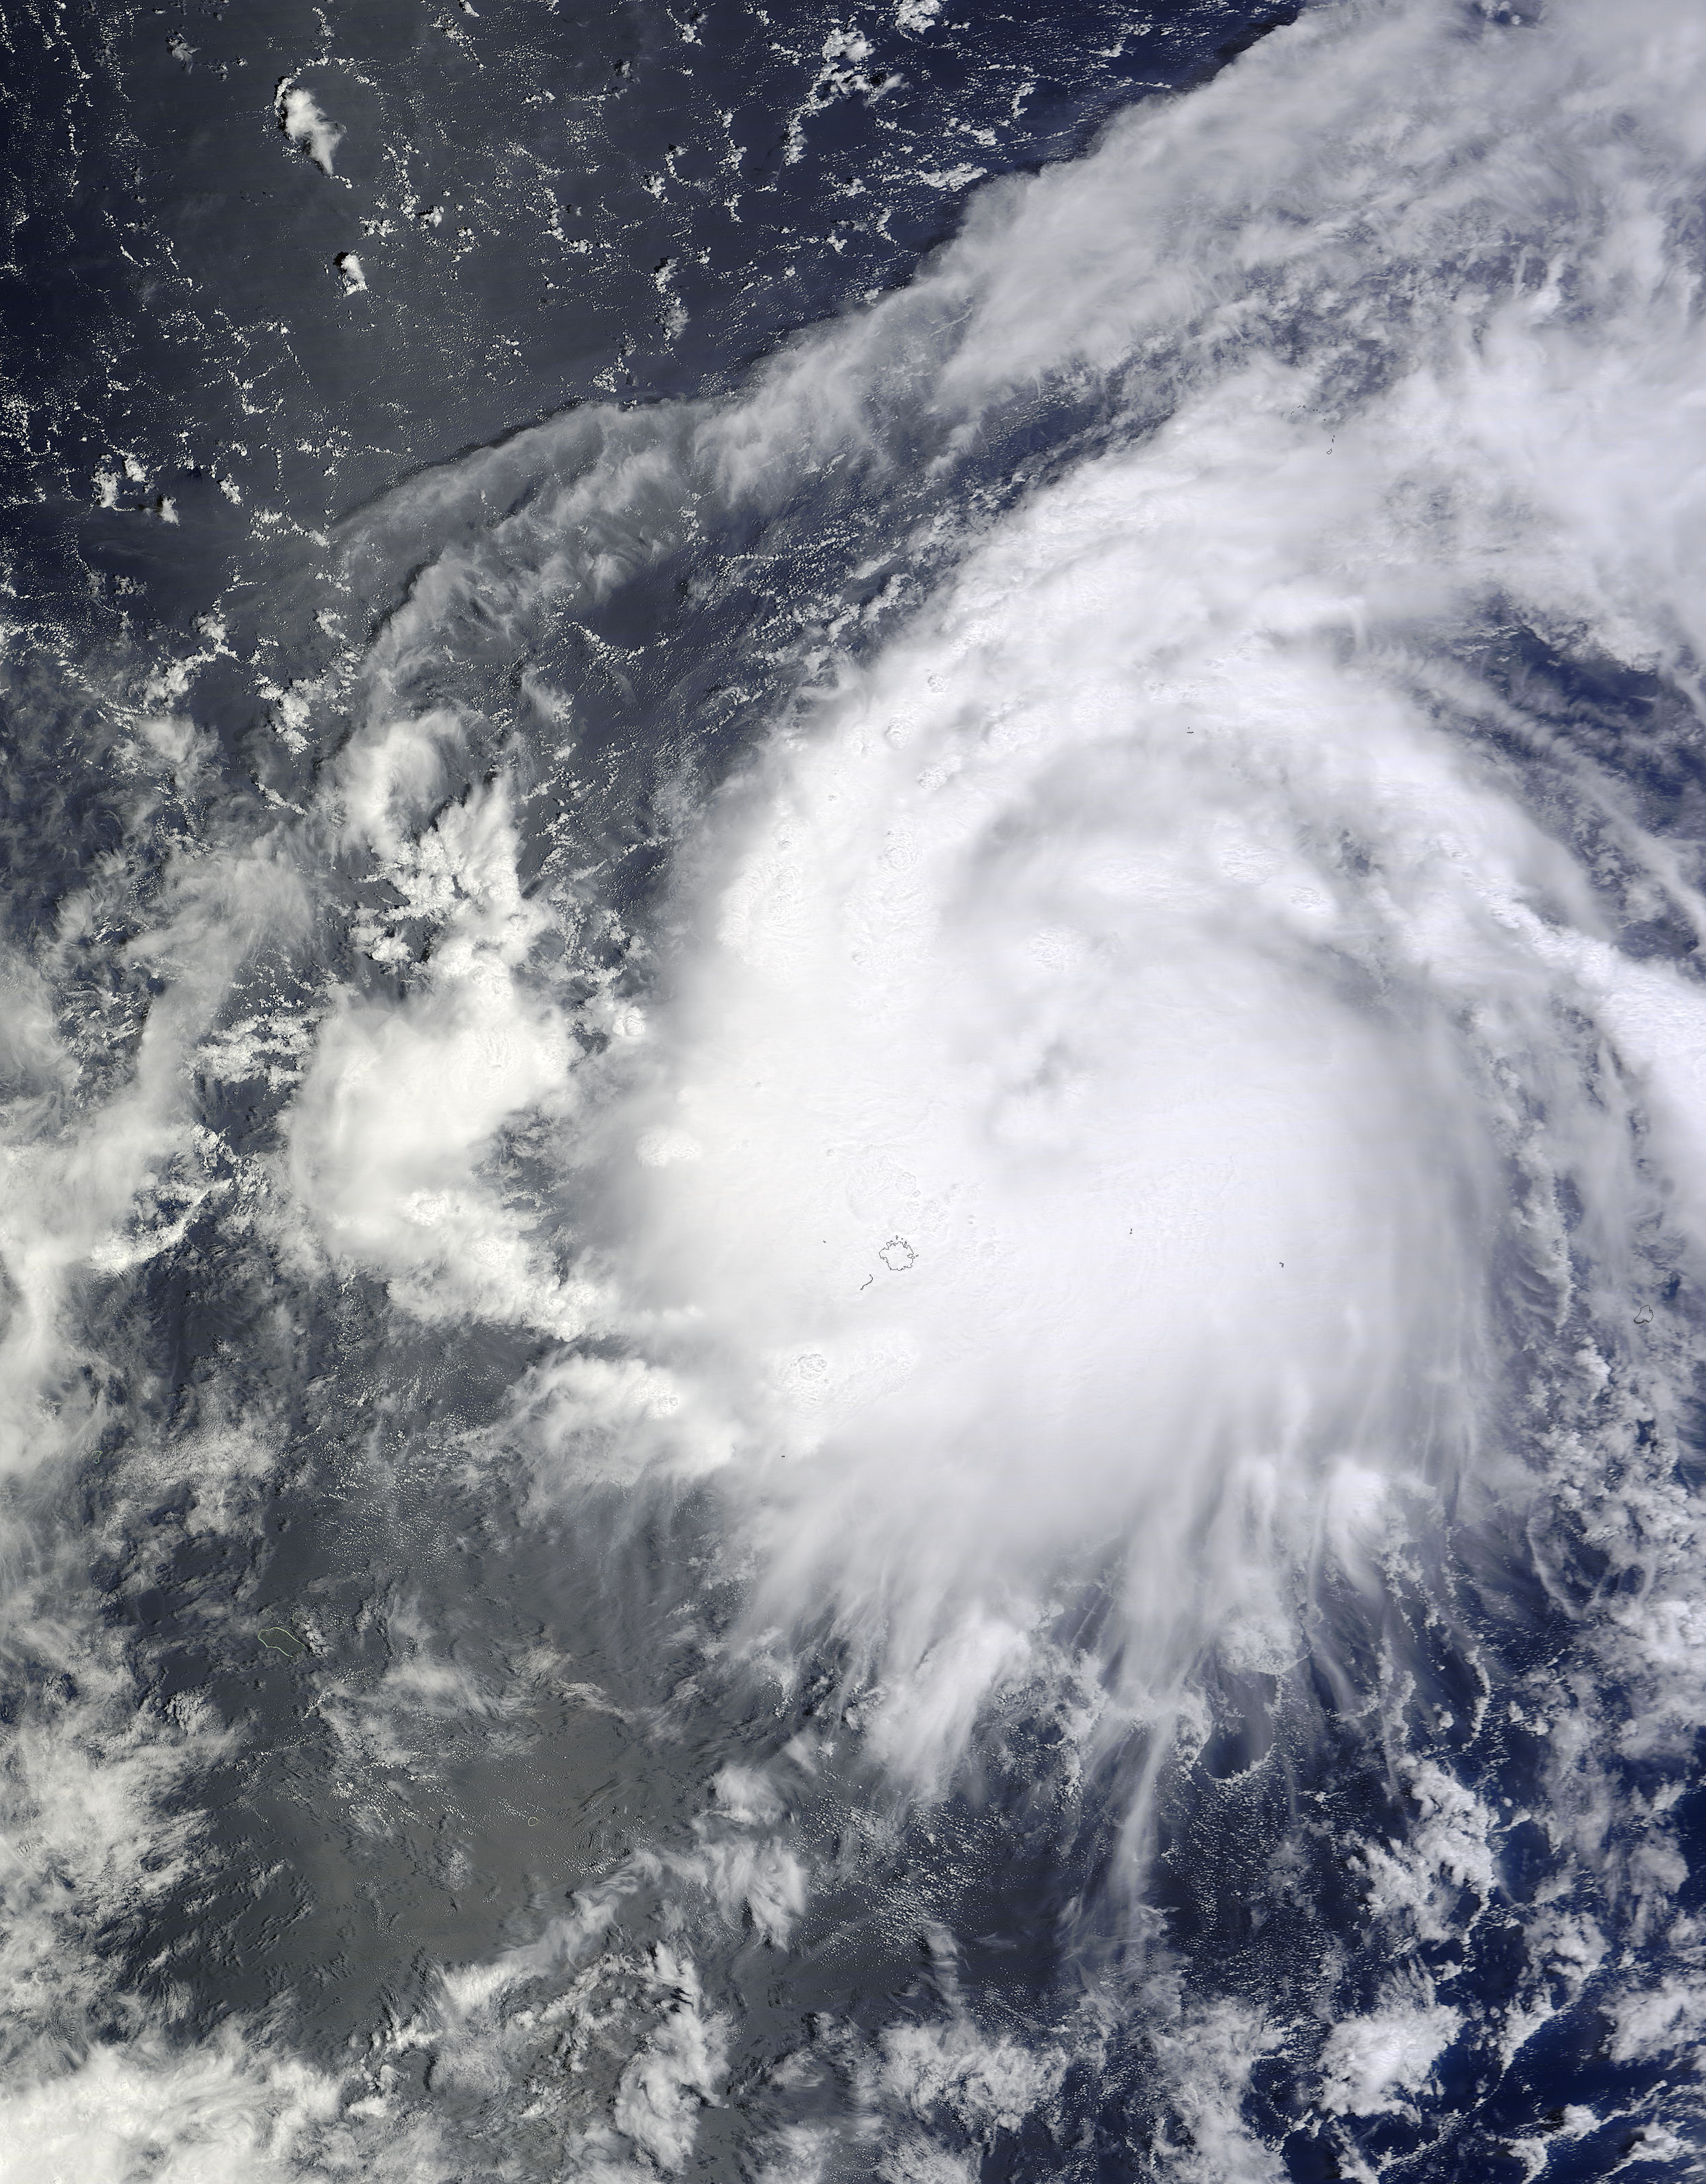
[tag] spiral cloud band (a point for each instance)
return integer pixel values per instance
(993, 1054)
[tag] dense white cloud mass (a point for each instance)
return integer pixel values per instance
(1068, 1135)
(1147, 1098)
(302, 120)
(1083, 1120)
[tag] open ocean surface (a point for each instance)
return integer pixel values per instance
(853, 1032)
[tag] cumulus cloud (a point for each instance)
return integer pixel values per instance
(1370, 2062)
(303, 123)
(99, 1185)
(192, 2117)
(402, 1099)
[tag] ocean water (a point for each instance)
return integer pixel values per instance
(854, 1094)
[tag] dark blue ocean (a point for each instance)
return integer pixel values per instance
(852, 1041)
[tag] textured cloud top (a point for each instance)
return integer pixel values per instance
(854, 1313)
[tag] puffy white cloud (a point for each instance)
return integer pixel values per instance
(396, 1121)
(302, 120)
